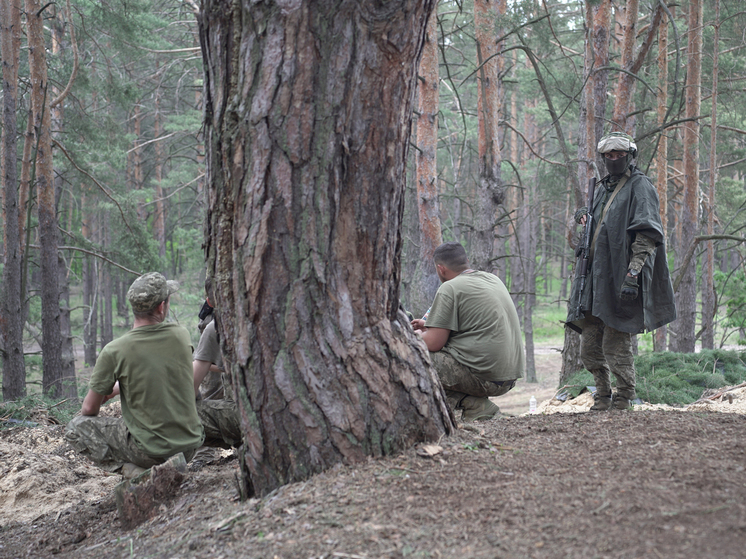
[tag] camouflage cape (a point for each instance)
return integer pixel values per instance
(634, 209)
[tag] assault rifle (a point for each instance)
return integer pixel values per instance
(583, 256)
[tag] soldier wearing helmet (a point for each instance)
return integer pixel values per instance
(628, 288)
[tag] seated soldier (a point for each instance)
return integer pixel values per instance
(149, 367)
(473, 334)
(217, 410)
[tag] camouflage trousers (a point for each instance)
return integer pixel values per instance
(220, 420)
(460, 381)
(605, 350)
(109, 444)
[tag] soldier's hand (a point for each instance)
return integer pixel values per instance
(580, 214)
(629, 288)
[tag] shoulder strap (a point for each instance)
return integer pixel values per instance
(619, 186)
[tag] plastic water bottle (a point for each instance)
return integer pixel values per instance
(532, 405)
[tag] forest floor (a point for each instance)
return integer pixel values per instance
(649, 483)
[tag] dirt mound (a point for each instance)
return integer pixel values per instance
(40, 474)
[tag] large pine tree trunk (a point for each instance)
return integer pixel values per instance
(11, 293)
(308, 114)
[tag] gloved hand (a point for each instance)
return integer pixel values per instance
(580, 213)
(629, 288)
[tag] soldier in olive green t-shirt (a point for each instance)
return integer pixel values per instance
(473, 333)
(150, 368)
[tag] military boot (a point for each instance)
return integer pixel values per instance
(478, 409)
(601, 402)
(620, 402)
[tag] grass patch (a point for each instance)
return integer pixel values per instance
(677, 379)
(36, 409)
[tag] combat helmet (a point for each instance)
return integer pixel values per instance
(617, 141)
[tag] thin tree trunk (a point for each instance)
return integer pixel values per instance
(308, 113)
(686, 297)
(159, 217)
(490, 193)
(427, 282)
(661, 157)
(590, 130)
(48, 230)
(90, 285)
(11, 293)
(708, 282)
(69, 387)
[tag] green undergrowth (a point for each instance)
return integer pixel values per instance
(677, 379)
(36, 410)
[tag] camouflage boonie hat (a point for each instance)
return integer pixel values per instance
(150, 290)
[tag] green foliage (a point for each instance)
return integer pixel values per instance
(36, 409)
(677, 379)
(732, 288)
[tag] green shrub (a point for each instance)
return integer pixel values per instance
(36, 409)
(677, 379)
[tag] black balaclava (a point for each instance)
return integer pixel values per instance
(617, 167)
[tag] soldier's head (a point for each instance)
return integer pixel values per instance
(618, 150)
(452, 257)
(148, 291)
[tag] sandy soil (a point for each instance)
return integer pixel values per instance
(653, 482)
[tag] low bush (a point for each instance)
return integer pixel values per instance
(677, 379)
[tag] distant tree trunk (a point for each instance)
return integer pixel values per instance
(104, 283)
(686, 296)
(528, 264)
(90, 285)
(69, 387)
(490, 193)
(708, 281)
(308, 114)
(661, 157)
(48, 230)
(632, 62)
(159, 216)
(11, 293)
(590, 130)
(427, 172)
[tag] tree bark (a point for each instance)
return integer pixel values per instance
(308, 115)
(490, 192)
(427, 282)
(686, 296)
(708, 281)
(632, 60)
(48, 230)
(69, 385)
(661, 156)
(11, 293)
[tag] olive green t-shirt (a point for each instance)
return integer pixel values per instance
(485, 331)
(153, 365)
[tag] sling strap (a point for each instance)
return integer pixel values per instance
(619, 186)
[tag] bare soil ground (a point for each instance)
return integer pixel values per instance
(648, 483)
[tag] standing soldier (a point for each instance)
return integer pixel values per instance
(627, 289)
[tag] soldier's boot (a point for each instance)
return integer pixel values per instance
(478, 409)
(453, 399)
(601, 402)
(622, 399)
